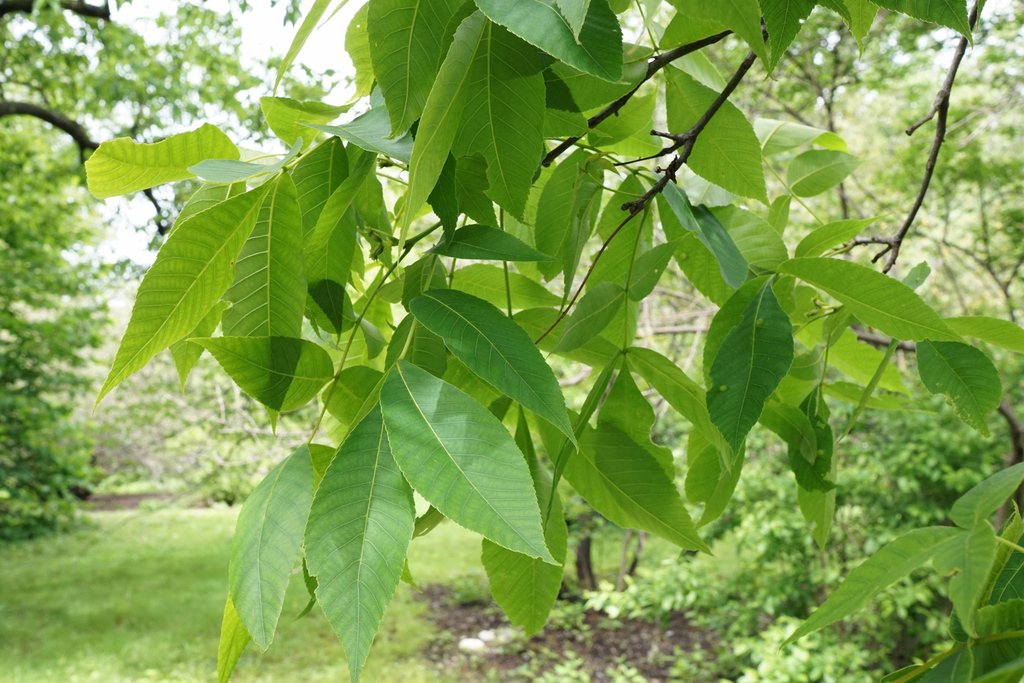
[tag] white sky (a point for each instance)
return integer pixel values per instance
(264, 35)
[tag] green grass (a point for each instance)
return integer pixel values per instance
(141, 598)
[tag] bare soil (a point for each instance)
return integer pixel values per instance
(602, 643)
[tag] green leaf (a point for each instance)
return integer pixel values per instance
(424, 350)
(887, 566)
(703, 468)
(626, 409)
(727, 152)
(727, 317)
(461, 459)
(317, 175)
(590, 92)
(233, 639)
(185, 353)
(269, 292)
(354, 386)
(682, 393)
(598, 50)
(783, 19)
(444, 200)
(862, 16)
(359, 529)
(408, 40)
(1008, 673)
(372, 131)
(794, 427)
(309, 23)
(592, 314)
(917, 275)
(267, 539)
(575, 13)
(442, 113)
(818, 170)
(484, 243)
(233, 171)
(969, 560)
(965, 375)
(488, 283)
(754, 357)
(1001, 617)
(286, 117)
(723, 492)
(282, 373)
(830, 235)
(699, 220)
(357, 45)
(471, 190)
(950, 13)
(761, 245)
(561, 211)
(503, 116)
(781, 136)
(983, 500)
(495, 348)
(191, 273)
(860, 361)
(597, 352)
(697, 262)
(525, 587)
(330, 247)
(648, 268)
(639, 489)
(204, 198)
(875, 299)
(123, 166)
(741, 16)
(1002, 333)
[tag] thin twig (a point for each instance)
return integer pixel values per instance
(940, 112)
(636, 206)
(656, 64)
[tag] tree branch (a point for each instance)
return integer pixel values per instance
(940, 112)
(635, 207)
(656, 64)
(80, 8)
(55, 119)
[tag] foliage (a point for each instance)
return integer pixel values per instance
(50, 316)
(444, 370)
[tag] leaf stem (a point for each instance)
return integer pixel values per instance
(790, 191)
(1010, 544)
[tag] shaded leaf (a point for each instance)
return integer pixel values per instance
(484, 243)
(699, 220)
(185, 353)
(592, 314)
(984, 499)
(754, 357)
(495, 348)
(282, 373)
(488, 283)
(965, 375)
(461, 459)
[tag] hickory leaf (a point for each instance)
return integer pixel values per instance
(267, 539)
(598, 49)
(753, 359)
(965, 375)
(282, 373)
(192, 271)
(496, 349)
(461, 459)
(484, 243)
(123, 166)
(360, 525)
(875, 299)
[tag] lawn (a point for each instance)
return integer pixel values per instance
(140, 598)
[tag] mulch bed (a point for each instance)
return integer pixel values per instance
(128, 501)
(601, 642)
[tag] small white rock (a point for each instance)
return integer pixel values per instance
(472, 645)
(486, 636)
(503, 635)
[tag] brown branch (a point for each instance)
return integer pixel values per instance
(635, 207)
(940, 112)
(79, 8)
(55, 119)
(656, 64)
